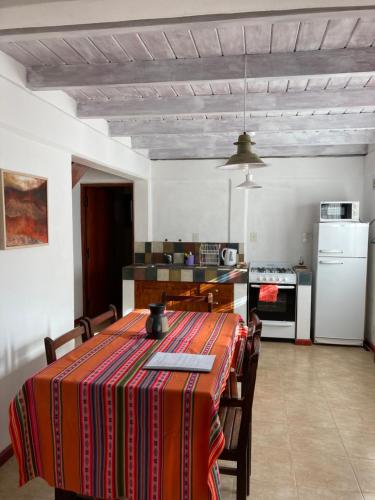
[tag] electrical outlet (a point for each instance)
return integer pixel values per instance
(253, 236)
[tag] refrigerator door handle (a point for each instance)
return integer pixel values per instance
(331, 262)
(331, 251)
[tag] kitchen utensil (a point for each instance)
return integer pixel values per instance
(229, 256)
(168, 258)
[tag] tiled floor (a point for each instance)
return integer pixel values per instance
(313, 428)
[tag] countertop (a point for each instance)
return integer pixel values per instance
(181, 272)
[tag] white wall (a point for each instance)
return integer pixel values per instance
(39, 134)
(369, 211)
(194, 197)
(36, 284)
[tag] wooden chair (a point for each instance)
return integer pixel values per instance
(235, 416)
(51, 345)
(254, 332)
(208, 299)
(107, 317)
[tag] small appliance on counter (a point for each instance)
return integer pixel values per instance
(339, 211)
(229, 256)
(278, 314)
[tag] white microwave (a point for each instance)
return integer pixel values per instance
(342, 211)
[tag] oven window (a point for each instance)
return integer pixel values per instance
(281, 310)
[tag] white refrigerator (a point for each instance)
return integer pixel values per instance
(339, 272)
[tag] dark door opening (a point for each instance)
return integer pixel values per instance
(107, 244)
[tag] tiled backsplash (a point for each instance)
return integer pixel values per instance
(151, 252)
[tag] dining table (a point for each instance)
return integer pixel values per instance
(96, 423)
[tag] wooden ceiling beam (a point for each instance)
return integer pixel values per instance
(264, 152)
(188, 22)
(306, 64)
(295, 138)
(223, 104)
(234, 124)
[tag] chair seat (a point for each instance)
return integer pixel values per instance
(230, 418)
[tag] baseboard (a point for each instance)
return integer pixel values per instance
(6, 454)
(303, 342)
(370, 345)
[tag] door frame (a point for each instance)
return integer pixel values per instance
(83, 188)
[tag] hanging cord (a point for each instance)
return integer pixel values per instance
(244, 95)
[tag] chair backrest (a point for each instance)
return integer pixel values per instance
(255, 323)
(208, 299)
(249, 388)
(257, 327)
(107, 317)
(51, 345)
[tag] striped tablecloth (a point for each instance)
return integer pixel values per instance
(96, 423)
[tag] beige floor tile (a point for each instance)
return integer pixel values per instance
(273, 434)
(319, 494)
(272, 466)
(353, 419)
(316, 440)
(359, 444)
(369, 496)
(228, 487)
(260, 490)
(324, 472)
(365, 472)
(309, 414)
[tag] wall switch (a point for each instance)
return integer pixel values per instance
(195, 237)
(253, 236)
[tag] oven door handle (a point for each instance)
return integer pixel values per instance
(281, 287)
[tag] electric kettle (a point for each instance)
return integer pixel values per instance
(229, 256)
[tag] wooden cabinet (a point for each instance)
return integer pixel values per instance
(148, 292)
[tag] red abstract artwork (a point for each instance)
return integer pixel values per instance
(23, 210)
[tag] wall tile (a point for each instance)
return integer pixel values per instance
(178, 258)
(163, 274)
(157, 247)
(186, 275)
(139, 258)
(139, 246)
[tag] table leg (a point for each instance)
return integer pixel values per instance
(64, 495)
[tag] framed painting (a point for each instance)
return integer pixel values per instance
(23, 210)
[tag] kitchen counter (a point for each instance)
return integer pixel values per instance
(145, 283)
(184, 273)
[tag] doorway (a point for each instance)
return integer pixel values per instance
(107, 244)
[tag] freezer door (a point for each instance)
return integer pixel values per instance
(340, 300)
(343, 239)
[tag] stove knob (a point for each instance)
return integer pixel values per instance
(260, 278)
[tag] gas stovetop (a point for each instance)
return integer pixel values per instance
(272, 272)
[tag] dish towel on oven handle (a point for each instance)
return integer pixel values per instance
(268, 293)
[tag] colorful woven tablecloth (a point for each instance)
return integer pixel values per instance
(98, 424)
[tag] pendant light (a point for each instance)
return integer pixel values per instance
(244, 158)
(248, 183)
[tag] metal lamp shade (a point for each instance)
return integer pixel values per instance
(244, 157)
(248, 183)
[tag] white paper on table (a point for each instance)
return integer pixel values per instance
(180, 362)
